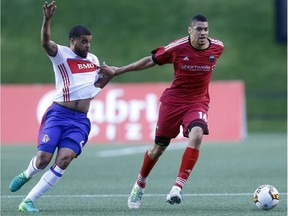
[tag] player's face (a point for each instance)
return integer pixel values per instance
(199, 34)
(81, 45)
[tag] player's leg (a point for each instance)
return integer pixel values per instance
(150, 159)
(53, 175)
(46, 147)
(189, 159)
(48, 137)
(195, 131)
(168, 123)
(37, 164)
(190, 156)
(50, 177)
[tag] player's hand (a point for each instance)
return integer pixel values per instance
(105, 74)
(107, 70)
(49, 9)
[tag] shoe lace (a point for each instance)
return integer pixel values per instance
(29, 203)
(22, 176)
(137, 194)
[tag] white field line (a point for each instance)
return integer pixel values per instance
(146, 195)
(135, 150)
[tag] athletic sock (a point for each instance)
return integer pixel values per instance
(189, 160)
(32, 168)
(146, 168)
(48, 180)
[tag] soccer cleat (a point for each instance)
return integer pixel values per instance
(27, 206)
(135, 197)
(175, 196)
(18, 182)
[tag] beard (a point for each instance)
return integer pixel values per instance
(81, 53)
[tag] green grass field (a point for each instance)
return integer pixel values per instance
(98, 182)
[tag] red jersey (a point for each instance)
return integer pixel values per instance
(192, 70)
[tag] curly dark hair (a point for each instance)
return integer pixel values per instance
(78, 30)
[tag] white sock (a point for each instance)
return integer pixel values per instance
(137, 186)
(48, 180)
(32, 168)
(176, 188)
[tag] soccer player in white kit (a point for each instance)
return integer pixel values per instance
(65, 125)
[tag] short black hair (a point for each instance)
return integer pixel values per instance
(198, 18)
(78, 30)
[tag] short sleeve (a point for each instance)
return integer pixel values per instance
(161, 56)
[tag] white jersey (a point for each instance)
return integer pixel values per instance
(74, 76)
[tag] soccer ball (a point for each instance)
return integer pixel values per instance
(266, 197)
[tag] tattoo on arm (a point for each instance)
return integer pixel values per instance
(51, 48)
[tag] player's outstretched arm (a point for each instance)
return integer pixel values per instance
(108, 72)
(49, 46)
(141, 64)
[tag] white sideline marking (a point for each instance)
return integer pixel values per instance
(126, 195)
(135, 150)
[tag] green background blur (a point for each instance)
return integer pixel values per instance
(127, 30)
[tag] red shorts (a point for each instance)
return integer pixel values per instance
(172, 117)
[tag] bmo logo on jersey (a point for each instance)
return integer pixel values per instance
(81, 66)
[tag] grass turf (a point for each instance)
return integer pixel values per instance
(222, 182)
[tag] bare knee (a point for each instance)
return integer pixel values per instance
(43, 159)
(63, 163)
(64, 158)
(195, 137)
(156, 151)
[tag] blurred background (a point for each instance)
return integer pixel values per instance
(254, 34)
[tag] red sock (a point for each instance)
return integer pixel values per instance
(147, 166)
(189, 160)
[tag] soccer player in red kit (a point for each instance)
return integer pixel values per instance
(185, 103)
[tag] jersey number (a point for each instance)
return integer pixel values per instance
(203, 116)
